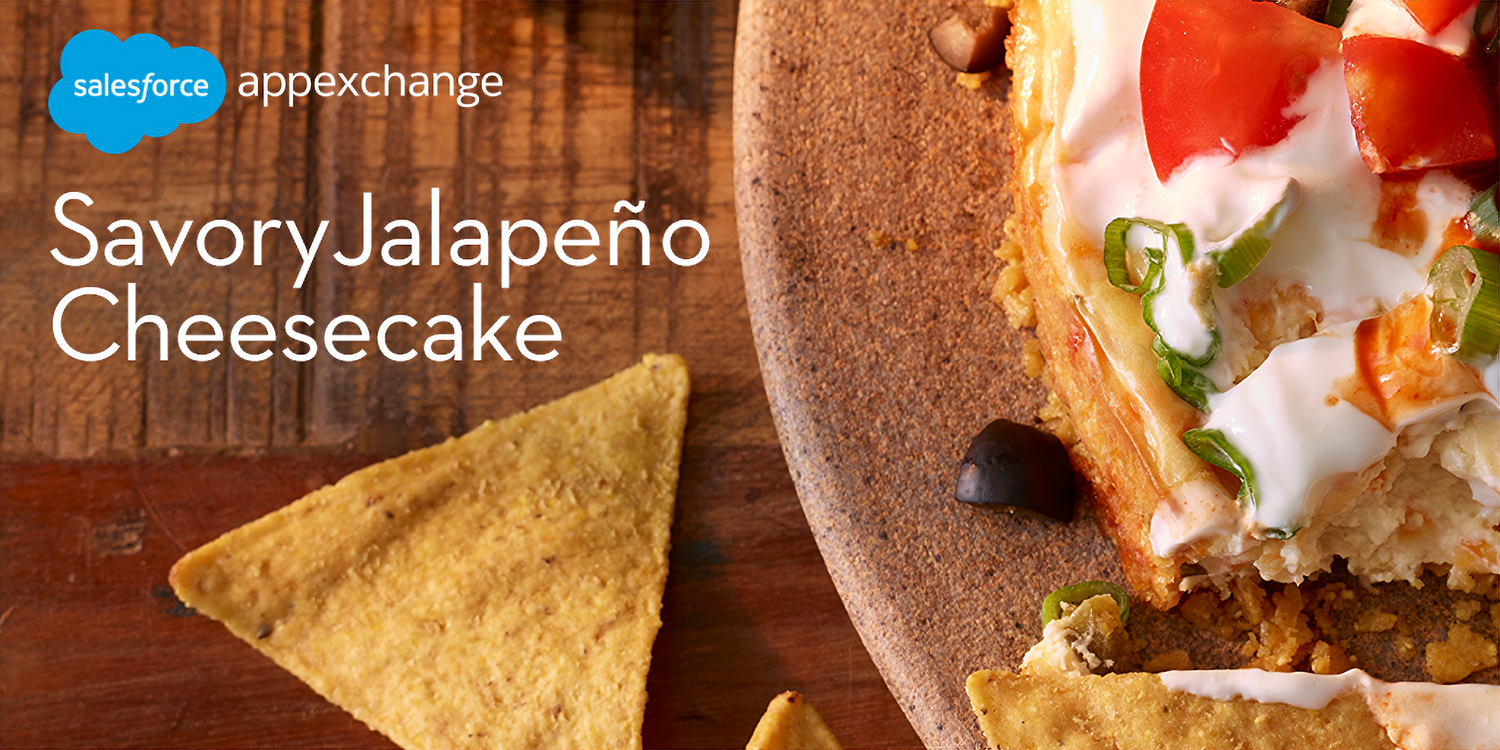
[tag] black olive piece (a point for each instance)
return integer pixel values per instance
(1018, 466)
(970, 50)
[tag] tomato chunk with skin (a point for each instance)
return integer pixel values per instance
(1415, 106)
(1434, 15)
(1217, 77)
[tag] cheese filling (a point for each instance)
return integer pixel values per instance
(1305, 443)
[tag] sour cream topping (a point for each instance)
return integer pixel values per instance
(1281, 417)
(1176, 308)
(1288, 395)
(1194, 512)
(1106, 172)
(1390, 19)
(1300, 689)
(1415, 714)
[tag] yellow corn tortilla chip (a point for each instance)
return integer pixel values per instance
(1138, 710)
(791, 723)
(501, 589)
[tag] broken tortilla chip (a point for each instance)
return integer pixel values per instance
(791, 723)
(1139, 710)
(501, 589)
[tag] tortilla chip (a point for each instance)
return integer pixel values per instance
(791, 723)
(1138, 710)
(501, 589)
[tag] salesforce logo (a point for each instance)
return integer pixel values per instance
(115, 92)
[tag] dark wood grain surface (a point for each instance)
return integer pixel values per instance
(603, 103)
(113, 469)
(96, 651)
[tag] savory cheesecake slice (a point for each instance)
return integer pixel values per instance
(1270, 307)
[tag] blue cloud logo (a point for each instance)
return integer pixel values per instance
(116, 92)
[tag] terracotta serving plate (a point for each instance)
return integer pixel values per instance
(882, 357)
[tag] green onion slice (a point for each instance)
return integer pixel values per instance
(1240, 254)
(1183, 288)
(1212, 446)
(1200, 299)
(1484, 217)
(1078, 593)
(1189, 384)
(1337, 11)
(1125, 265)
(1465, 320)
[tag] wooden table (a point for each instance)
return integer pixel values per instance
(113, 469)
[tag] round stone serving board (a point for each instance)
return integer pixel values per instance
(882, 357)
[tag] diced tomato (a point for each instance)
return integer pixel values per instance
(1400, 373)
(1433, 15)
(1217, 77)
(1415, 106)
